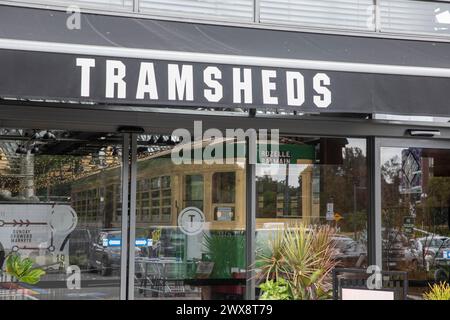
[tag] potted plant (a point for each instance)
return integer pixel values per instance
(275, 290)
(299, 259)
(438, 291)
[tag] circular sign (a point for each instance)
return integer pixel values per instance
(191, 221)
(63, 219)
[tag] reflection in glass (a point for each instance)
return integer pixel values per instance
(60, 206)
(209, 264)
(415, 214)
(321, 181)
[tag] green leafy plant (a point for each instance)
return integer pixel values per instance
(275, 290)
(438, 291)
(304, 257)
(270, 261)
(226, 250)
(22, 269)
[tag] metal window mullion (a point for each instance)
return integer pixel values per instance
(374, 218)
(250, 225)
(132, 217)
(377, 16)
(124, 242)
(136, 6)
(256, 11)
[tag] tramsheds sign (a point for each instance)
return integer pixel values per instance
(63, 77)
(129, 81)
(161, 82)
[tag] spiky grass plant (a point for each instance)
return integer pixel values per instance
(438, 291)
(302, 256)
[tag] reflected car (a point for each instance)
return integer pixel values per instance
(349, 252)
(80, 246)
(400, 252)
(106, 252)
(434, 246)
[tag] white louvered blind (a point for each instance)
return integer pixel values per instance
(348, 14)
(209, 9)
(415, 17)
(106, 4)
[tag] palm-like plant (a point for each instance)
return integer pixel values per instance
(270, 262)
(304, 257)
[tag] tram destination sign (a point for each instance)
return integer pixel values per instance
(130, 81)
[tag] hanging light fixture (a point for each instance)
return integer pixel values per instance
(34, 148)
(48, 135)
(161, 140)
(152, 140)
(21, 149)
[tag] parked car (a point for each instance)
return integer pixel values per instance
(80, 246)
(95, 250)
(400, 252)
(105, 252)
(349, 252)
(434, 245)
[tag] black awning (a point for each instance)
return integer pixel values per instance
(150, 60)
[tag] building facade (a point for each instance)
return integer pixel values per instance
(348, 100)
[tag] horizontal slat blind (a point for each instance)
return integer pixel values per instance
(348, 14)
(415, 17)
(209, 9)
(106, 4)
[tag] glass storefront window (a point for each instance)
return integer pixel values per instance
(415, 214)
(318, 181)
(59, 205)
(181, 260)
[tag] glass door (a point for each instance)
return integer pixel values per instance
(190, 224)
(415, 211)
(60, 214)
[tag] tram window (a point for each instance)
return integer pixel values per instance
(160, 199)
(193, 191)
(144, 199)
(118, 201)
(224, 195)
(224, 187)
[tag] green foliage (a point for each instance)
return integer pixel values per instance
(22, 269)
(226, 250)
(275, 290)
(304, 257)
(440, 291)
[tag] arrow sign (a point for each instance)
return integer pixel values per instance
(21, 223)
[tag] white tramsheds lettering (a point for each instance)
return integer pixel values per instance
(147, 82)
(180, 84)
(320, 81)
(268, 86)
(295, 88)
(86, 65)
(115, 72)
(244, 85)
(215, 93)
